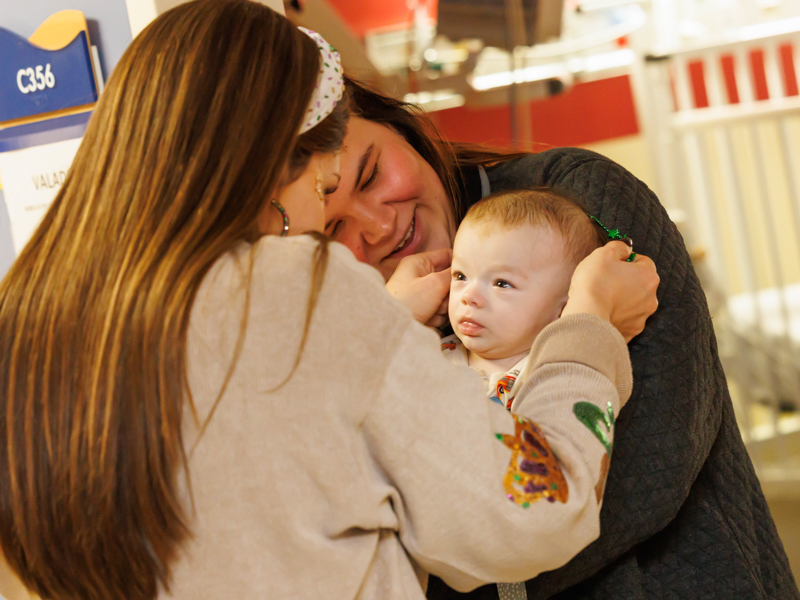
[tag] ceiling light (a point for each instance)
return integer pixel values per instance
(560, 70)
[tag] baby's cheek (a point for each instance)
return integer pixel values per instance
(452, 305)
(520, 333)
(454, 297)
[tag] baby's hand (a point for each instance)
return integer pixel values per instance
(422, 282)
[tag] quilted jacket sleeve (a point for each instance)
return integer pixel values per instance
(667, 430)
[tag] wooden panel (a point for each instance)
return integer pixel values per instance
(60, 29)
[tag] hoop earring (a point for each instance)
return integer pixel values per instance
(279, 207)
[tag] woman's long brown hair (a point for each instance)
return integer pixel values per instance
(187, 143)
(419, 131)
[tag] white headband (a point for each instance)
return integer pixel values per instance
(330, 83)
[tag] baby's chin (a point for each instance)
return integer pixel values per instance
(492, 351)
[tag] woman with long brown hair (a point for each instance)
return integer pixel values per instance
(193, 408)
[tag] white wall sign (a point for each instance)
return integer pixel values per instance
(31, 179)
(141, 12)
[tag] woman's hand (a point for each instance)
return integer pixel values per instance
(422, 282)
(622, 293)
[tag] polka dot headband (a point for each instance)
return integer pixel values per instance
(330, 83)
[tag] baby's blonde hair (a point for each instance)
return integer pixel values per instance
(537, 208)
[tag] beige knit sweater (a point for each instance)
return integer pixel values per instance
(378, 461)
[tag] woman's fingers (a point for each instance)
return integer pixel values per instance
(437, 321)
(421, 282)
(440, 317)
(621, 248)
(438, 260)
(623, 293)
(419, 265)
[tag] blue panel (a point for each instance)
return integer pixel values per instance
(34, 81)
(109, 28)
(43, 132)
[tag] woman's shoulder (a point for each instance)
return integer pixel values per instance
(294, 257)
(542, 168)
(286, 260)
(275, 274)
(258, 302)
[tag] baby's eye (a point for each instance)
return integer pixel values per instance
(459, 276)
(502, 283)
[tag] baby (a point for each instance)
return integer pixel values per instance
(513, 259)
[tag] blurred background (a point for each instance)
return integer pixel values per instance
(698, 98)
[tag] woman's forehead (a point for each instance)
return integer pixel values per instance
(363, 141)
(361, 133)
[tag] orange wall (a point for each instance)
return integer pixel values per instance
(786, 66)
(365, 15)
(587, 113)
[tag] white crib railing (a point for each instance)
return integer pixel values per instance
(731, 164)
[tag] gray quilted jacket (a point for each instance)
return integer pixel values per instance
(683, 515)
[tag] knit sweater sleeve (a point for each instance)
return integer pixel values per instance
(482, 495)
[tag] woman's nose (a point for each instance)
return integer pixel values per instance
(377, 222)
(370, 223)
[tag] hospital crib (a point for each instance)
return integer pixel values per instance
(723, 125)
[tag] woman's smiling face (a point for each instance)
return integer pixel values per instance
(389, 203)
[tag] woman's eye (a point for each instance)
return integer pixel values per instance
(331, 190)
(372, 177)
(502, 283)
(336, 228)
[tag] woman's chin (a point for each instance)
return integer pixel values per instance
(423, 240)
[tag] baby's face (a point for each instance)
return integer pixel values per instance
(506, 286)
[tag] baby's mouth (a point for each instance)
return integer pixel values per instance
(469, 327)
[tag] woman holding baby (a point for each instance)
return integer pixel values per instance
(197, 404)
(682, 494)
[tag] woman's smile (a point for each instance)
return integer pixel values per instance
(410, 243)
(406, 238)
